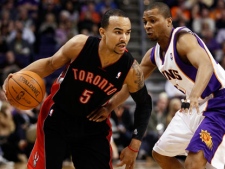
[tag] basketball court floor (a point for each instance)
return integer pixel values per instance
(145, 164)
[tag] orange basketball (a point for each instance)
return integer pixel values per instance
(25, 90)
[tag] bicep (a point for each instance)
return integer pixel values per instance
(192, 52)
(135, 78)
(68, 52)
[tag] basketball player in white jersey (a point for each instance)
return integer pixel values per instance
(198, 129)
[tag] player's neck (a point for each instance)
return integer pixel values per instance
(165, 40)
(108, 57)
(107, 60)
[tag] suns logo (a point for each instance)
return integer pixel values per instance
(206, 138)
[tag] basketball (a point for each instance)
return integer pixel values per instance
(25, 90)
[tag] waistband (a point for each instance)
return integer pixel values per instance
(219, 92)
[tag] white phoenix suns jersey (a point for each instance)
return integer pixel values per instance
(182, 75)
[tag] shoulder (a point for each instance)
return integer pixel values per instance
(187, 43)
(184, 35)
(73, 47)
(183, 38)
(78, 40)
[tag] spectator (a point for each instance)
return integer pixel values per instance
(124, 125)
(3, 46)
(222, 55)
(156, 126)
(24, 17)
(180, 13)
(104, 5)
(158, 118)
(49, 22)
(94, 15)
(220, 23)
(17, 148)
(27, 33)
(20, 46)
(10, 65)
(174, 106)
(7, 127)
(204, 18)
(207, 36)
(216, 12)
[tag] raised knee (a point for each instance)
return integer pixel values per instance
(195, 161)
(190, 164)
(193, 164)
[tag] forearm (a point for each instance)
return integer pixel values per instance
(142, 112)
(43, 67)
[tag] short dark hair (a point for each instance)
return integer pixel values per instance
(111, 12)
(163, 8)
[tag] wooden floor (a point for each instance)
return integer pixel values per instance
(148, 164)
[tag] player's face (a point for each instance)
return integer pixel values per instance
(117, 34)
(155, 24)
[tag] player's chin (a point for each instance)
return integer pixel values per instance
(152, 38)
(121, 51)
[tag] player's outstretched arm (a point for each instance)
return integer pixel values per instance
(195, 55)
(138, 91)
(66, 54)
(46, 66)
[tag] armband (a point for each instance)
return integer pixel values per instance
(142, 112)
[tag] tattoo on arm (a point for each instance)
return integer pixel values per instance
(138, 75)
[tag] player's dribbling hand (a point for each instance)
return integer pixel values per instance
(5, 84)
(127, 158)
(99, 115)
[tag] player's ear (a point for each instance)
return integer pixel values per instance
(169, 21)
(102, 32)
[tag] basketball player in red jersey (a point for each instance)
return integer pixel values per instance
(96, 70)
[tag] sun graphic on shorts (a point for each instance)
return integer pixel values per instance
(206, 138)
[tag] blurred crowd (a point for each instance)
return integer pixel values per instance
(34, 29)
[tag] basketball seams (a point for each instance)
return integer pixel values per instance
(15, 99)
(25, 89)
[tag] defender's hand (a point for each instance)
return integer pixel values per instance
(188, 105)
(99, 115)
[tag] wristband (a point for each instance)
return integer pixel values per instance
(185, 104)
(132, 149)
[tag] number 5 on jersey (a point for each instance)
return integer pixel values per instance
(86, 95)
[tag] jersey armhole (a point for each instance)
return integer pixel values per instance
(152, 56)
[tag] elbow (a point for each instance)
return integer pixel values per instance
(209, 69)
(141, 97)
